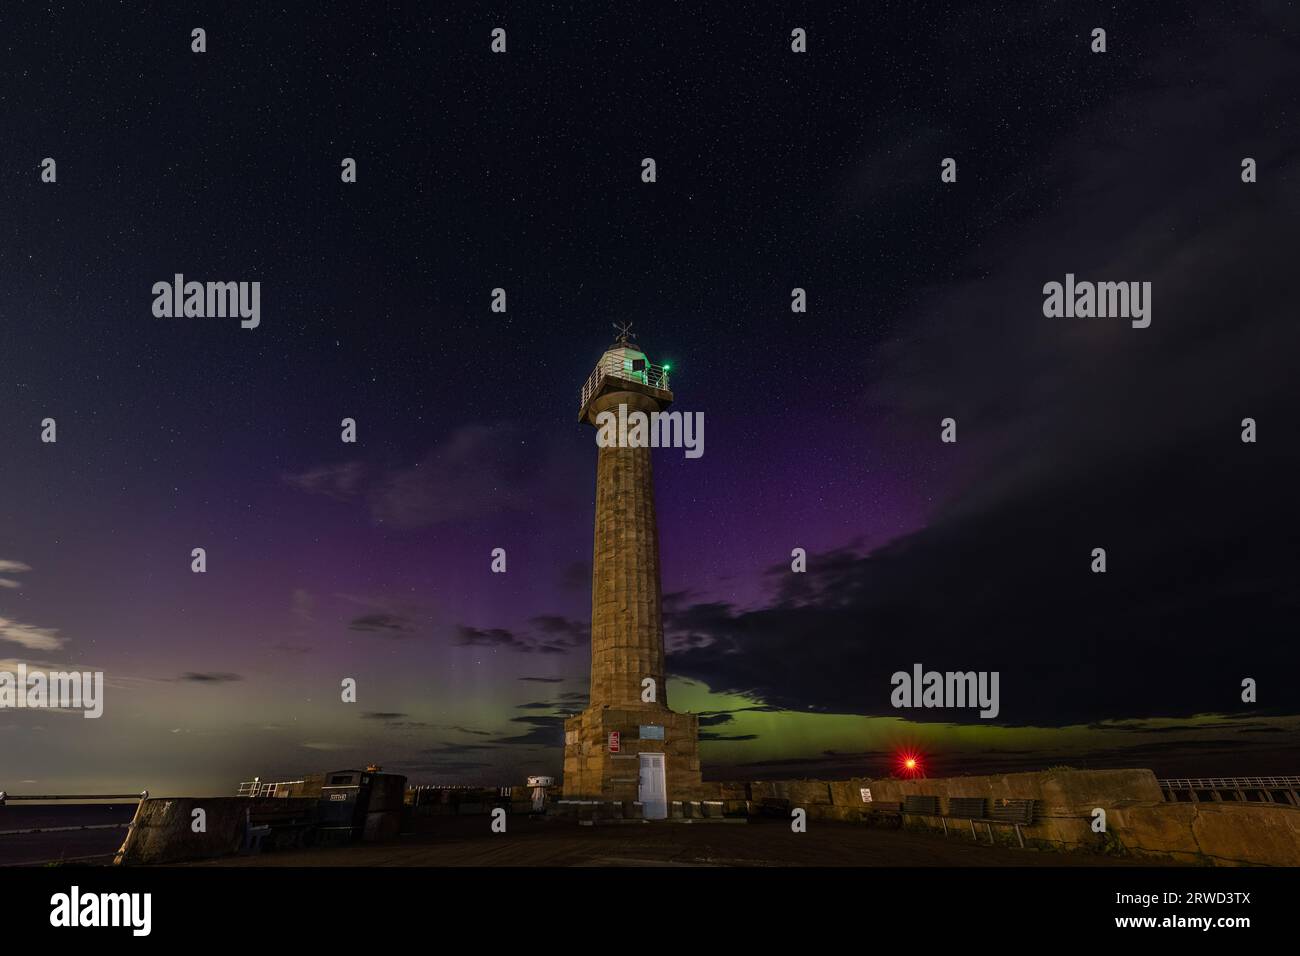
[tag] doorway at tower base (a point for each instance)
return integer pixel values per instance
(655, 755)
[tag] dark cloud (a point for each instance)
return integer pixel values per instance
(568, 702)
(714, 719)
(556, 635)
(490, 637)
(545, 730)
(561, 633)
(1076, 434)
(386, 715)
(1144, 727)
(1141, 643)
(457, 748)
(545, 680)
(385, 624)
(209, 677)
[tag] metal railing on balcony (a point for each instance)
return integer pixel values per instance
(259, 788)
(613, 366)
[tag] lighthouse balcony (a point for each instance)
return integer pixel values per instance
(615, 372)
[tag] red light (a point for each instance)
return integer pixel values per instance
(909, 764)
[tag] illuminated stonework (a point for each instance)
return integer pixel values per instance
(628, 696)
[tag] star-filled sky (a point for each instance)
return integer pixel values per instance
(522, 171)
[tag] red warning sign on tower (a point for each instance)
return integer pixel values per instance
(613, 741)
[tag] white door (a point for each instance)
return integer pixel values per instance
(653, 792)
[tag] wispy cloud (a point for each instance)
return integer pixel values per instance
(302, 605)
(389, 625)
(340, 482)
(30, 636)
(454, 749)
(209, 677)
(479, 469)
(465, 730)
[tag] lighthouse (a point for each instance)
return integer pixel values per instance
(627, 745)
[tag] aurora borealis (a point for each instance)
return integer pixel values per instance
(371, 560)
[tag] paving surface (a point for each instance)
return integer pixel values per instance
(467, 841)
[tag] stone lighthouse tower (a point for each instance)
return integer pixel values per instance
(627, 745)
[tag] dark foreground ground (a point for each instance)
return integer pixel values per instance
(467, 841)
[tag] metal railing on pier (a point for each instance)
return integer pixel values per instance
(52, 826)
(1279, 790)
(1229, 783)
(74, 797)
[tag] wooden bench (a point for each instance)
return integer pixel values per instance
(921, 805)
(1003, 811)
(965, 808)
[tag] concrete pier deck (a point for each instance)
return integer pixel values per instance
(467, 841)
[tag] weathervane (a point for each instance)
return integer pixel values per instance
(624, 332)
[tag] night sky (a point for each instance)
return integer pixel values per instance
(522, 171)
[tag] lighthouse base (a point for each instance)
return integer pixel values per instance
(594, 771)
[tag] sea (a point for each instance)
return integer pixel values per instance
(54, 833)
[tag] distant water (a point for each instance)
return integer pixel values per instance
(57, 842)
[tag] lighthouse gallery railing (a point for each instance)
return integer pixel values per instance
(656, 376)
